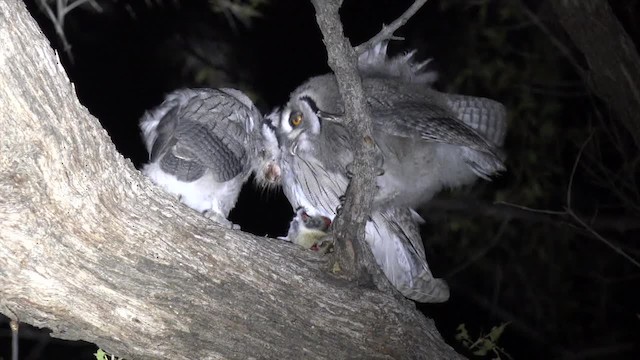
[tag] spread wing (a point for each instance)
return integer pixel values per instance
(426, 121)
(486, 116)
(433, 122)
(404, 257)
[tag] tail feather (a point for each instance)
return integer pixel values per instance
(427, 289)
(394, 237)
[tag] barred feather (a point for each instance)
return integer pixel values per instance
(375, 63)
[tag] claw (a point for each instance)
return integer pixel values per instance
(379, 164)
(210, 214)
(349, 169)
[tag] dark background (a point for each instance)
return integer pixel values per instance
(564, 293)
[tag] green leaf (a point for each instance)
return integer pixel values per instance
(497, 331)
(101, 355)
(485, 346)
(462, 333)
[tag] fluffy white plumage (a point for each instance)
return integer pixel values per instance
(203, 144)
(204, 194)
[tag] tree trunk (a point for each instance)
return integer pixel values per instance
(94, 251)
(614, 63)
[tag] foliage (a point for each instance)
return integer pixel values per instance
(484, 344)
(101, 355)
(242, 10)
(200, 51)
(548, 247)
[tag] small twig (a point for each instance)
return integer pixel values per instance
(14, 339)
(387, 30)
(522, 207)
(569, 211)
(554, 40)
(58, 22)
(518, 323)
(573, 170)
(595, 234)
(586, 226)
(480, 254)
(77, 3)
(439, 207)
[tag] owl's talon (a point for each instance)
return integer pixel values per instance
(349, 169)
(212, 215)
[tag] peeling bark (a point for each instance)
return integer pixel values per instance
(94, 251)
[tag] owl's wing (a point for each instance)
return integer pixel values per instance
(425, 121)
(206, 131)
(486, 116)
(400, 253)
(436, 123)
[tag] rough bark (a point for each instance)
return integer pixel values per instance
(614, 63)
(90, 249)
(352, 253)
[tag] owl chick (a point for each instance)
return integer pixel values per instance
(203, 144)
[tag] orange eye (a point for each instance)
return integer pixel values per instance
(295, 119)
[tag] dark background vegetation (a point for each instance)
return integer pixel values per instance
(529, 249)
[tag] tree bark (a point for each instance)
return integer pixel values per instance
(614, 63)
(92, 250)
(353, 255)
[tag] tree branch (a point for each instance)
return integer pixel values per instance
(353, 254)
(388, 30)
(438, 207)
(92, 250)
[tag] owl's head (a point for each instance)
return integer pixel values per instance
(310, 105)
(267, 168)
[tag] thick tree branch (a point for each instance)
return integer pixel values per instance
(90, 249)
(613, 59)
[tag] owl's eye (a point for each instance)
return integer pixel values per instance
(295, 119)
